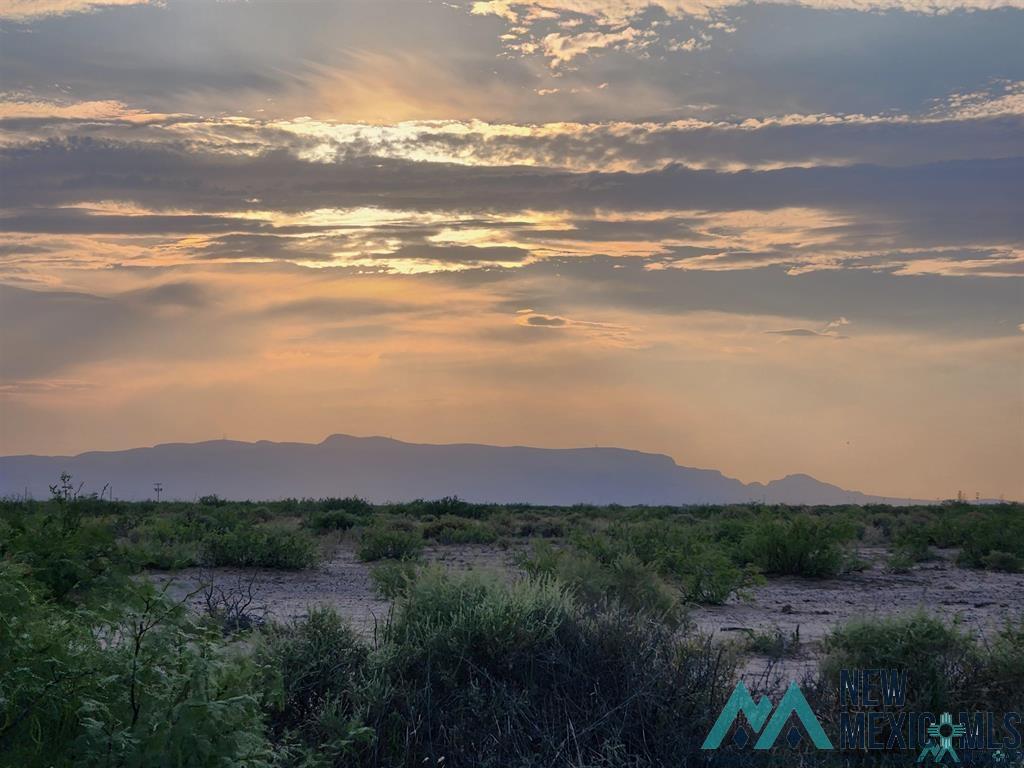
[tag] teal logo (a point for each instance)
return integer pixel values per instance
(944, 731)
(793, 703)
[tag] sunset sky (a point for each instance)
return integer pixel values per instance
(759, 237)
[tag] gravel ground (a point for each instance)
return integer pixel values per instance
(980, 600)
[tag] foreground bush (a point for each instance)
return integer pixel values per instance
(480, 672)
(134, 683)
(948, 669)
(315, 674)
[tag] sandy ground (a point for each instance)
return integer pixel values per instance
(342, 582)
(980, 600)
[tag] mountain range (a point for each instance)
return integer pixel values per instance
(381, 469)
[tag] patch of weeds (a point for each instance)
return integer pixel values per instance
(775, 644)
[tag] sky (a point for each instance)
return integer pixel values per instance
(759, 237)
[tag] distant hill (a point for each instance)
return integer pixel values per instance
(381, 469)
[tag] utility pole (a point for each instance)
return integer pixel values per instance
(158, 488)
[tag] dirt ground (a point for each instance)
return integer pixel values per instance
(980, 600)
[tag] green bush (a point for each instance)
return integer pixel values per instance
(996, 560)
(487, 673)
(314, 673)
(389, 543)
(799, 546)
(625, 582)
(333, 520)
(353, 505)
(134, 683)
(911, 540)
(457, 530)
(947, 669)
(261, 547)
(682, 554)
(65, 553)
(985, 531)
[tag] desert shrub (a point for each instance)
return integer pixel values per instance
(261, 547)
(448, 615)
(710, 577)
(912, 540)
(392, 578)
(685, 556)
(996, 529)
(458, 530)
(799, 546)
(1001, 677)
(487, 673)
(314, 673)
(332, 520)
(135, 683)
(996, 560)
(354, 505)
(625, 581)
(947, 668)
(535, 526)
(166, 555)
(63, 552)
(389, 543)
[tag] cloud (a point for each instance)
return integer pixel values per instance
(564, 48)
(107, 111)
(961, 126)
(622, 11)
(25, 10)
(829, 331)
(639, 24)
(611, 333)
(460, 254)
(72, 327)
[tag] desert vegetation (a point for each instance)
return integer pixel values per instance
(586, 659)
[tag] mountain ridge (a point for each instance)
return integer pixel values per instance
(384, 469)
